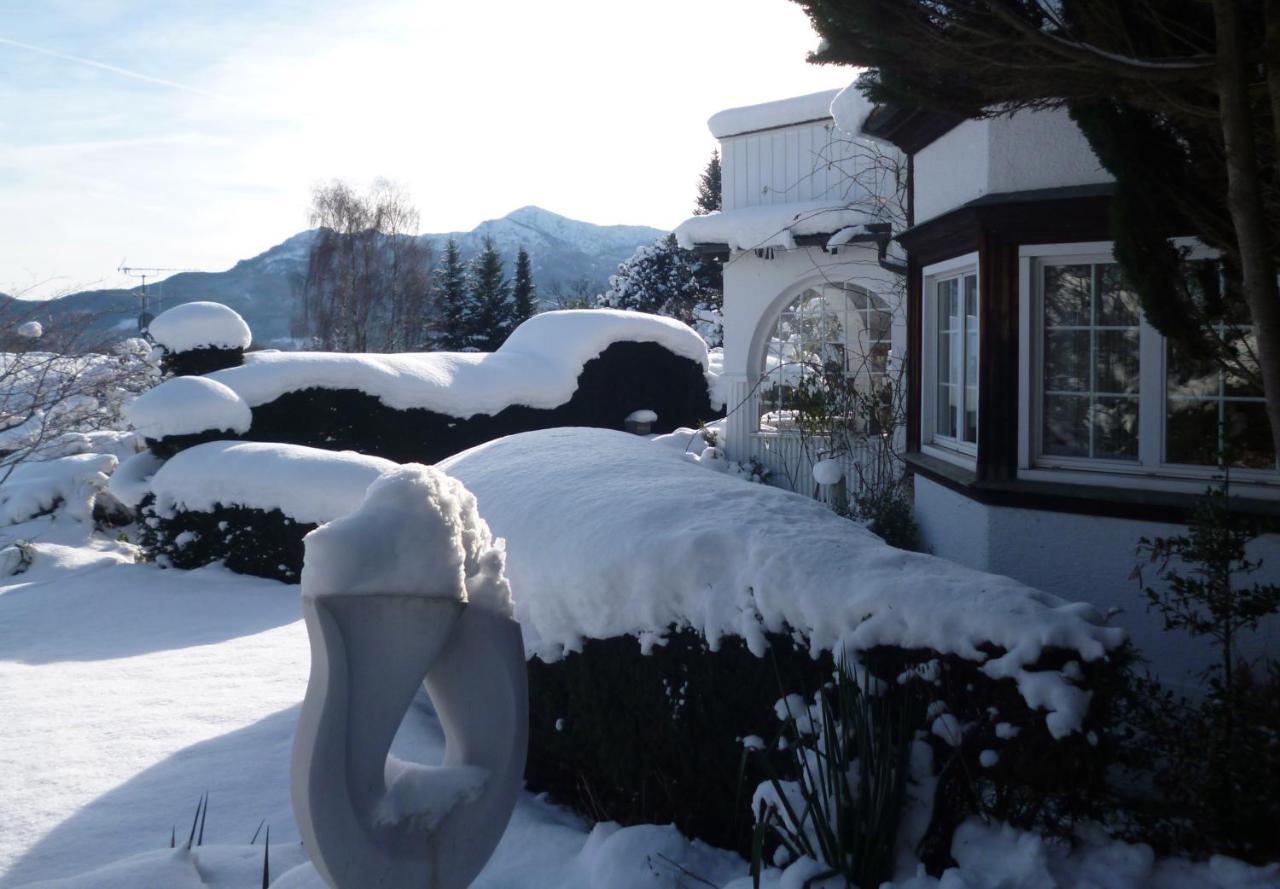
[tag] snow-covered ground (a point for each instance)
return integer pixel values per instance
(128, 691)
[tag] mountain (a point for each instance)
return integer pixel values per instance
(264, 289)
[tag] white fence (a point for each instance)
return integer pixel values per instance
(790, 457)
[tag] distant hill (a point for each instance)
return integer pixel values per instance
(264, 289)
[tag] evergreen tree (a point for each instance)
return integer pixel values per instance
(1179, 99)
(664, 279)
(526, 303)
(709, 187)
(451, 300)
(489, 311)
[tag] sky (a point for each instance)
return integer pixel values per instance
(190, 135)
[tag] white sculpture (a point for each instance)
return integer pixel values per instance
(410, 586)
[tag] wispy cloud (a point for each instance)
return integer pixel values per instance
(114, 69)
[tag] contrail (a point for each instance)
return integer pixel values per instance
(123, 72)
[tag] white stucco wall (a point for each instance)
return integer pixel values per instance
(952, 170)
(1079, 558)
(756, 289)
(1028, 150)
(1040, 149)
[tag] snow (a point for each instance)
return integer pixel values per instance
(850, 109)
(31, 330)
(828, 472)
(417, 532)
(643, 538)
(132, 479)
(538, 366)
(767, 115)
(776, 225)
(642, 416)
(197, 325)
(128, 692)
(309, 485)
(187, 405)
(35, 487)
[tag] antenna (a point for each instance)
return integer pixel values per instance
(145, 316)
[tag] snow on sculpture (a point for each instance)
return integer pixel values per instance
(410, 585)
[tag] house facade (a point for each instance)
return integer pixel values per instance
(1047, 426)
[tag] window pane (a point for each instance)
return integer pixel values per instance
(1189, 376)
(1116, 361)
(946, 422)
(1066, 360)
(1246, 380)
(1066, 425)
(1066, 295)
(1115, 428)
(1192, 432)
(1249, 435)
(1118, 305)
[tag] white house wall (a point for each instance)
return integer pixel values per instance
(787, 165)
(1028, 150)
(1077, 557)
(952, 170)
(756, 289)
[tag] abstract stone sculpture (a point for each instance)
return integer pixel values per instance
(367, 819)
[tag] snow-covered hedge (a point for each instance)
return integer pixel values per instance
(620, 547)
(247, 504)
(570, 368)
(200, 337)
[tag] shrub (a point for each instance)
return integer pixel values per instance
(248, 541)
(843, 795)
(636, 738)
(1212, 764)
(200, 361)
(624, 378)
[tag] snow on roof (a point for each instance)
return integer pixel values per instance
(306, 484)
(538, 366)
(196, 325)
(644, 539)
(850, 109)
(767, 115)
(776, 225)
(417, 532)
(186, 405)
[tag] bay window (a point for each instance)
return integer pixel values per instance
(1105, 392)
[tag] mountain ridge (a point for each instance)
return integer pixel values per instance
(564, 252)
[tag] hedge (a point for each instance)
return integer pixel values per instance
(624, 736)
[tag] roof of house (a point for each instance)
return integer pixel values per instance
(771, 115)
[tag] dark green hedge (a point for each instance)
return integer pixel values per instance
(624, 378)
(248, 541)
(200, 361)
(634, 738)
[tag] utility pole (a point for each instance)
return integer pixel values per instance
(145, 316)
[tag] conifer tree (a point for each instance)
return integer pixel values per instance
(526, 303)
(709, 187)
(451, 300)
(489, 311)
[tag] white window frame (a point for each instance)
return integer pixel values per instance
(1149, 470)
(961, 453)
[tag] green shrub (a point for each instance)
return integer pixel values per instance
(843, 793)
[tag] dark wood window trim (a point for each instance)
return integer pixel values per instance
(1140, 504)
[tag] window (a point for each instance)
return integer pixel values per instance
(1090, 367)
(831, 332)
(950, 389)
(1106, 392)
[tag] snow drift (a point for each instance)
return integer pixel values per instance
(612, 535)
